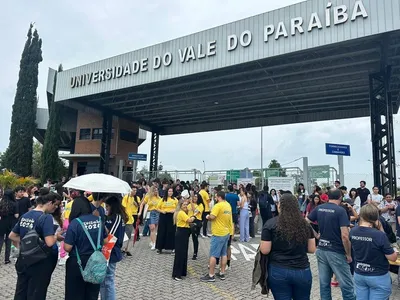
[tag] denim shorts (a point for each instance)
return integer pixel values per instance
(219, 246)
(154, 216)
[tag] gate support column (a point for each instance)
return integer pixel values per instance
(106, 144)
(381, 107)
(155, 138)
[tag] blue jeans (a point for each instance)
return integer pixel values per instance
(330, 262)
(244, 225)
(107, 288)
(146, 229)
(287, 284)
(373, 287)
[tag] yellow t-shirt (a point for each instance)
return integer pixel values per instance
(67, 209)
(169, 205)
(198, 211)
(128, 202)
(206, 200)
(181, 220)
(152, 203)
(222, 224)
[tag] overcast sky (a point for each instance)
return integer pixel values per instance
(79, 32)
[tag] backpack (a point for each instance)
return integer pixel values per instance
(96, 267)
(263, 201)
(32, 247)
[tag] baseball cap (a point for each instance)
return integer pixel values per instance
(185, 194)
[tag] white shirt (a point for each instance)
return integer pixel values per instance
(390, 215)
(375, 198)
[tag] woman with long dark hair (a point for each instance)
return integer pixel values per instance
(182, 222)
(287, 239)
(166, 228)
(244, 216)
(195, 208)
(314, 202)
(115, 221)
(8, 218)
(76, 242)
(354, 200)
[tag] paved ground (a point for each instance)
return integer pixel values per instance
(147, 275)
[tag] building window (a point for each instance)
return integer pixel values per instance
(129, 136)
(97, 133)
(84, 134)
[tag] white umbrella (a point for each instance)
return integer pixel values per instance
(99, 183)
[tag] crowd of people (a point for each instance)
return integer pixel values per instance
(351, 233)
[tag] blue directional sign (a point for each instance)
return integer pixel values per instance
(337, 149)
(137, 156)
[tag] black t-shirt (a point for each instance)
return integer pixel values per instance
(24, 204)
(285, 253)
(370, 247)
(363, 194)
(330, 218)
(397, 220)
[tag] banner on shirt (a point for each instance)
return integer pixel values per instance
(281, 183)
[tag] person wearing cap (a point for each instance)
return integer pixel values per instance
(334, 247)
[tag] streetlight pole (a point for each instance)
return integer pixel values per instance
(204, 166)
(262, 172)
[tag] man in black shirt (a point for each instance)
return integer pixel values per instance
(334, 248)
(363, 193)
(24, 203)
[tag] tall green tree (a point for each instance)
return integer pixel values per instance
(51, 143)
(23, 122)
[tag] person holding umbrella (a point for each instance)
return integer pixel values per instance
(182, 222)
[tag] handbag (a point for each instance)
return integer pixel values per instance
(111, 239)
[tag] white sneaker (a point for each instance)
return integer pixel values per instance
(227, 268)
(153, 247)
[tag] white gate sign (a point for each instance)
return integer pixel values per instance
(281, 183)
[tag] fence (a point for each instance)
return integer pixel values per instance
(183, 175)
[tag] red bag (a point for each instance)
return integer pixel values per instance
(111, 239)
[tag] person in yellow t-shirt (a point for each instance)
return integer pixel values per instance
(166, 229)
(196, 208)
(221, 229)
(182, 221)
(206, 200)
(152, 216)
(131, 204)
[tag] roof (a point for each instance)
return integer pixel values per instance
(320, 74)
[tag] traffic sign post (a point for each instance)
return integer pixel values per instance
(232, 176)
(137, 156)
(316, 172)
(339, 150)
(272, 173)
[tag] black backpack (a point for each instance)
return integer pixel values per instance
(32, 247)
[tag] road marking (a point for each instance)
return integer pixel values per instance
(212, 286)
(248, 253)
